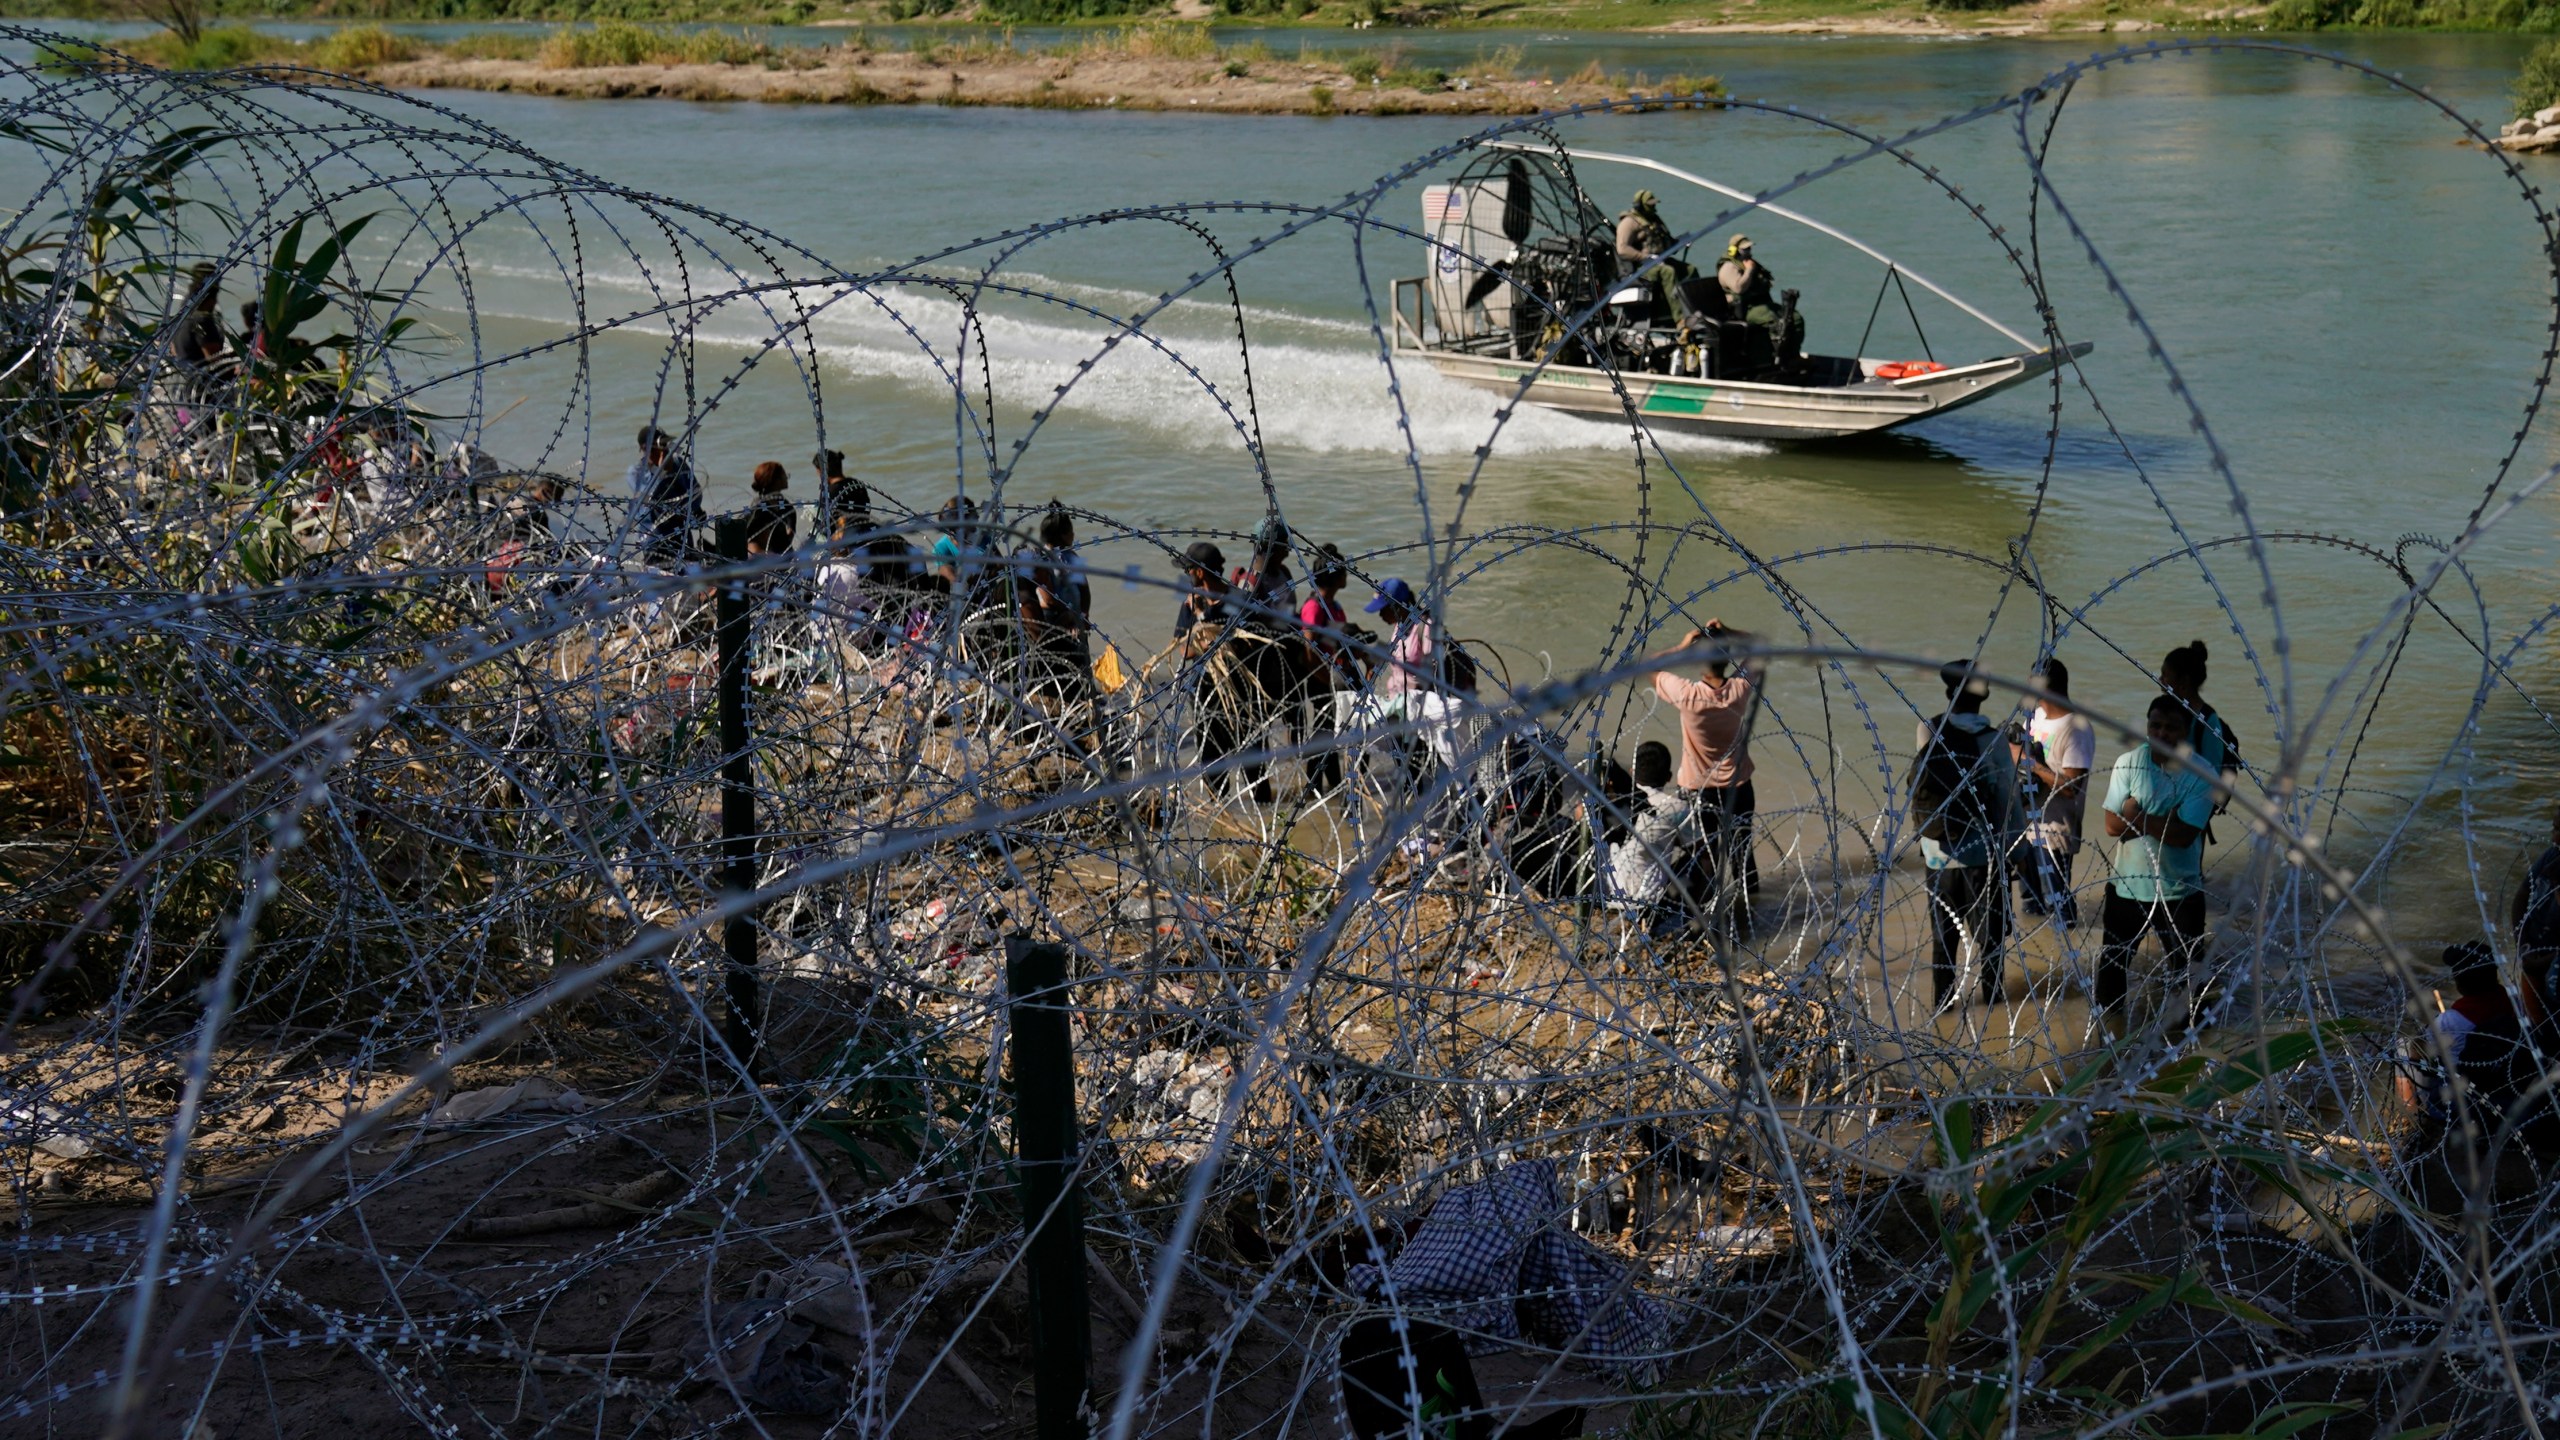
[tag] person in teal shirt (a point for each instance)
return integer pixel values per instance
(2157, 809)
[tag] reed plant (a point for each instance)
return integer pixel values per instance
(1503, 62)
(1165, 40)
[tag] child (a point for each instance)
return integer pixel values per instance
(1661, 833)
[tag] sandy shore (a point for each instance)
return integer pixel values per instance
(898, 77)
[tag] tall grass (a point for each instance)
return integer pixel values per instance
(1169, 40)
(620, 42)
(493, 45)
(361, 47)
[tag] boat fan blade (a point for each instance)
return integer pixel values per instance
(1517, 202)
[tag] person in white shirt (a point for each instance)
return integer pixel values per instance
(1452, 724)
(1662, 834)
(2061, 750)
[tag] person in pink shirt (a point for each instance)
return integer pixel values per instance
(1412, 658)
(1715, 762)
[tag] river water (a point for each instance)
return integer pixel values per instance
(2357, 304)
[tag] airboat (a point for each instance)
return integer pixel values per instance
(1526, 289)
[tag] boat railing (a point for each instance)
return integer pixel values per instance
(1411, 327)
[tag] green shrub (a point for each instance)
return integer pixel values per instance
(361, 47)
(1322, 95)
(228, 48)
(1362, 67)
(57, 56)
(2538, 84)
(1415, 78)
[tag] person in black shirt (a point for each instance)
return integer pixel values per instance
(1205, 607)
(666, 499)
(772, 524)
(1227, 697)
(1056, 605)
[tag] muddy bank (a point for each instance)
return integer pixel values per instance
(1274, 87)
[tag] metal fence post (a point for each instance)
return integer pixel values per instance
(737, 801)
(1045, 1142)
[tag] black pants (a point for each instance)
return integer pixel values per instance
(1968, 900)
(1317, 727)
(2123, 923)
(1731, 862)
(2047, 884)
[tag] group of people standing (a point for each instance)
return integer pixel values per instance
(1997, 804)
(1998, 808)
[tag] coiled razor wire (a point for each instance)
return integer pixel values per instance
(364, 1061)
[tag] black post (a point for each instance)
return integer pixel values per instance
(1044, 1135)
(737, 798)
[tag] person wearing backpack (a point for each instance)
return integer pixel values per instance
(2157, 809)
(2182, 674)
(1964, 793)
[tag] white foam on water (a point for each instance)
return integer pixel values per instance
(1206, 304)
(1313, 392)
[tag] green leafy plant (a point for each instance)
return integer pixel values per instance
(2537, 84)
(2094, 1164)
(361, 47)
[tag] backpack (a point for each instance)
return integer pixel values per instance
(1951, 791)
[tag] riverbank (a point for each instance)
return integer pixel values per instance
(1734, 17)
(1148, 67)
(1044, 81)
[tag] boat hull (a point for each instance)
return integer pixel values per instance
(1743, 409)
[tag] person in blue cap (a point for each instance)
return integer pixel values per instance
(1411, 653)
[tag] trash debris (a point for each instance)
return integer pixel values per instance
(531, 1095)
(815, 1291)
(946, 943)
(41, 1127)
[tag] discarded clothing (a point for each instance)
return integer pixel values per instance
(533, 1094)
(1493, 1261)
